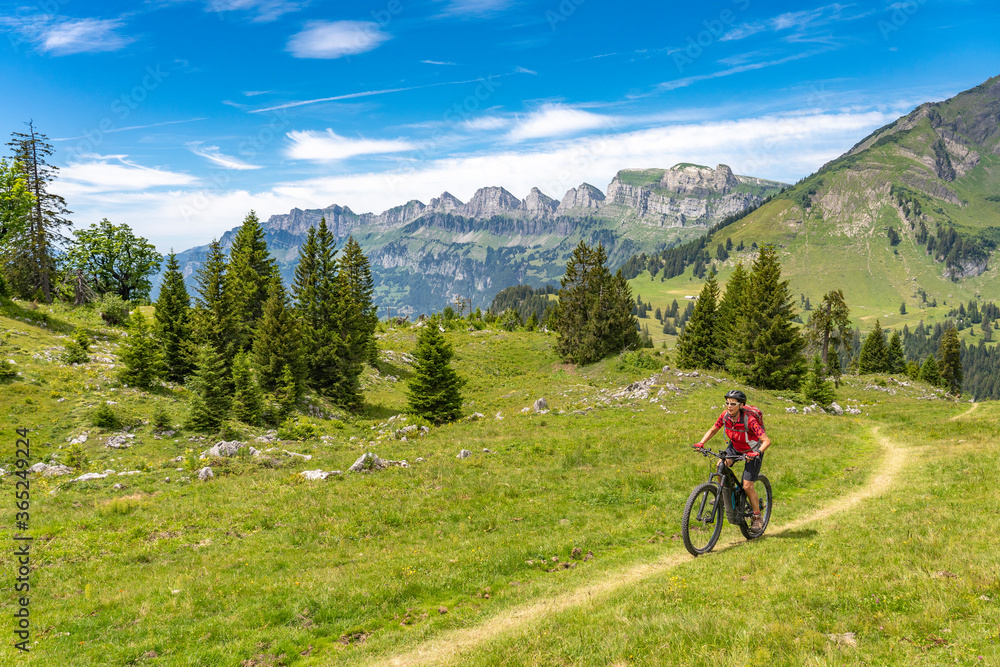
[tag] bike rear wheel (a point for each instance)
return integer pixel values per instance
(702, 521)
(763, 488)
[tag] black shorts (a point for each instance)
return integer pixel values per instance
(751, 467)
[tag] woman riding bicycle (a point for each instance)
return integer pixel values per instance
(746, 437)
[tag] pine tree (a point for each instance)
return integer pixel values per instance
(361, 312)
(142, 361)
(830, 323)
(209, 404)
(951, 361)
(30, 256)
(277, 344)
(249, 276)
(874, 356)
(897, 360)
(929, 371)
(817, 387)
(213, 319)
(698, 345)
(434, 391)
(767, 352)
(173, 322)
(732, 304)
(248, 400)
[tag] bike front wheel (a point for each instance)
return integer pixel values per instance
(763, 488)
(702, 521)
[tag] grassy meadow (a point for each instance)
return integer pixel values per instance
(559, 545)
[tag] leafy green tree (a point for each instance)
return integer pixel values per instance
(248, 400)
(249, 275)
(142, 361)
(698, 345)
(277, 344)
(214, 319)
(950, 352)
(434, 390)
(767, 352)
(173, 322)
(830, 323)
(16, 200)
(897, 360)
(874, 356)
(594, 316)
(817, 387)
(30, 256)
(929, 371)
(210, 402)
(113, 259)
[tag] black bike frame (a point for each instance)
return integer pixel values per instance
(729, 488)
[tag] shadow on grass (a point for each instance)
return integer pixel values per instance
(801, 534)
(377, 411)
(14, 310)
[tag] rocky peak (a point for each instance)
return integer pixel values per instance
(540, 205)
(693, 179)
(491, 201)
(585, 196)
(446, 203)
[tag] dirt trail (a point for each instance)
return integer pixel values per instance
(967, 412)
(449, 647)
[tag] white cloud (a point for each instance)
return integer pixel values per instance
(92, 174)
(265, 10)
(487, 123)
(71, 36)
(436, 62)
(329, 146)
(477, 7)
(742, 32)
(554, 120)
(336, 39)
(212, 154)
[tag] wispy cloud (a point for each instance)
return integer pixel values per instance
(688, 80)
(264, 11)
(92, 174)
(801, 26)
(329, 146)
(65, 36)
(476, 7)
(336, 39)
(553, 120)
(213, 155)
(133, 127)
(436, 62)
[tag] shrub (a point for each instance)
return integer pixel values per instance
(76, 457)
(105, 417)
(296, 429)
(640, 359)
(161, 418)
(114, 310)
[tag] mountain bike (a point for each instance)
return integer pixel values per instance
(702, 521)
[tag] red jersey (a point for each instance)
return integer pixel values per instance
(737, 432)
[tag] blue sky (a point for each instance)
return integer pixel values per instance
(179, 116)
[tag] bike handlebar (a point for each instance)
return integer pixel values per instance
(704, 451)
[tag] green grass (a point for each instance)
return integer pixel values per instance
(257, 564)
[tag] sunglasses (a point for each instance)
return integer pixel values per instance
(731, 405)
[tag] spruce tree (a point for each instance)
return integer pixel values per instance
(277, 344)
(248, 400)
(30, 254)
(434, 390)
(817, 387)
(897, 360)
(950, 369)
(210, 403)
(874, 356)
(929, 371)
(214, 319)
(830, 323)
(731, 305)
(698, 345)
(767, 352)
(173, 322)
(361, 315)
(249, 276)
(139, 353)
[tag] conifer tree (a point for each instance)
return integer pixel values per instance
(912, 370)
(142, 361)
(248, 400)
(929, 371)
(173, 326)
(213, 319)
(874, 356)
(817, 387)
(210, 403)
(731, 305)
(830, 323)
(698, 345)
(361, 315)
(434, 391)
(249, 276)
(277, 343)
(950, 368)
(767, 353)
(897, 360)
(30, 255)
